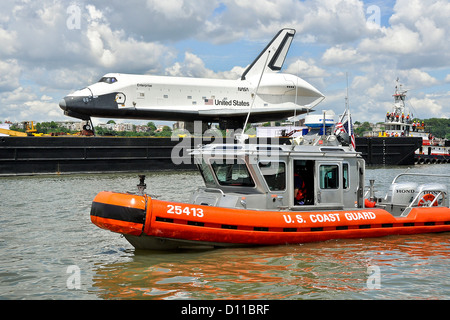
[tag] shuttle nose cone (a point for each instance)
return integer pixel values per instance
(62, 104)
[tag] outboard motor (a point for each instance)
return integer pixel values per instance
(401, 193)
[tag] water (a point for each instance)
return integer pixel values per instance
(46, 238)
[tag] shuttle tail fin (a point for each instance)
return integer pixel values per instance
(275, 54)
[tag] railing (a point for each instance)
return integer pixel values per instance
(427, 203)
(420, 174)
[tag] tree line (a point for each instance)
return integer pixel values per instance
(53, 127)
(150, 132)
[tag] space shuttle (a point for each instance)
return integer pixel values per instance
(262, 89)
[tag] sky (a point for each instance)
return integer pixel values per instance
(52, 47)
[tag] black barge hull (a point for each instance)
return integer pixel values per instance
(388, 151)
(63, 155)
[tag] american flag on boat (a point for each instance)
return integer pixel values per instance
(345, 124)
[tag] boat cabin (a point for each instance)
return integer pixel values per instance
(268, 177)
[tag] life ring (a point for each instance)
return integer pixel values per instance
(369, 204)
(426, 199)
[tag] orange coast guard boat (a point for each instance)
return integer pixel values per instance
(251, 197)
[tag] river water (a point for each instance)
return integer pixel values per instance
(49, 249)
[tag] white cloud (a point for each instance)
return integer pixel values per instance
(309, 71)
(417, 35)
(339, 56)
(8, 41)
(193, 66)
(395, 40)
(417, 79)
(306, 68)
(427, 107)
(9, 74)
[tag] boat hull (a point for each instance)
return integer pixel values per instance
(162, 225)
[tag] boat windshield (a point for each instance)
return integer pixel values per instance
(207, 174)
(275, 174)
(232, 172)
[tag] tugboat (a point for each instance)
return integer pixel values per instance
(399, 124)
(260, 194)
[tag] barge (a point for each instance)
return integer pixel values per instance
(66, 155)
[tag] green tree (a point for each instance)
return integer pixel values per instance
(438, 127)
(151, 126)
(364, 127)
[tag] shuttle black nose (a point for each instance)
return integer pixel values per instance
(62, 104)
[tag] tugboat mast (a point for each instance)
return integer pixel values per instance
(399, 99)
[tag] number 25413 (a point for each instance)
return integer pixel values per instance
(196, 212)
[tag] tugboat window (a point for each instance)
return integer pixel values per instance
(329, 176)
(232, 173)
(275, 175)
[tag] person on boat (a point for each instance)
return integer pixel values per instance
(299, 189)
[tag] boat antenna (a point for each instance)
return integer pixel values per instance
(345, 113)
(324, 127)
(296, 92)
(349, 118)
(242, 137)
(346, 97)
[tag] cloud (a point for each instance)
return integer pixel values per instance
(9, 74)
(337, 55)
(193, 66)
(417, 78)
(8, 41)
(309, 71)
(417, 35)
(324, 21)
(395, 40)
(154, 20)
(429, 107)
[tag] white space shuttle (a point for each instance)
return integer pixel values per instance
(269, 94)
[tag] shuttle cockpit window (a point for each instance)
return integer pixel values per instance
(108, 80)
